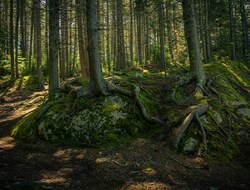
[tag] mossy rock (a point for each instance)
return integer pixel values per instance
(101, 122)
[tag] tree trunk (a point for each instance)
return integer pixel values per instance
(207, 33)
(232, 31)
(79, 15)
(31, 37)
(139, 42)
(108, 39)
(16, 39)
(53, 46)
(39, 45)
(12, 61)
(97, 82)
(162, 32)
(191, 35)
(22, 27)
(169, 19)
(245, 35)
(120, 37)
(131, 39)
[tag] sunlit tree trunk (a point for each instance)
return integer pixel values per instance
(245, 34)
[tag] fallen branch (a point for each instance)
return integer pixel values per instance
(201, 109)
(143, 109)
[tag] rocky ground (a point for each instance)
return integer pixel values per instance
(141, 164)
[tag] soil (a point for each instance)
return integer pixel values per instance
(141, 164)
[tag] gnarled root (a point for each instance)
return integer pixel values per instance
(143, 109)
(198, 111)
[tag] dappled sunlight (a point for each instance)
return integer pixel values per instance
(69, 154)
(7, 143)
(53, 179)
(154, 185)
(234, 74)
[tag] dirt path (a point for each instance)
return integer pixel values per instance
(142, 164)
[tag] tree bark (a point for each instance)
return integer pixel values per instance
(232, 31)
(97, 82)
(161, 35)
(17, 36)
(120, 37)
(53, 46)
(245, 34)
(12, 60)
(191, 35)
(84, 65)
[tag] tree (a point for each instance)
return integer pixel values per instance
(12, 64)
(97, 83)
(38, 44)
(245, 34)
(79, 16)
(120, 37)
(191, 35)
(53, 46)
(232, 29)
(16, 37)
(162, 32)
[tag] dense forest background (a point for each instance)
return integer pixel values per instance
(131, 33)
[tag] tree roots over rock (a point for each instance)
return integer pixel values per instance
(82, 91)
(195, 113)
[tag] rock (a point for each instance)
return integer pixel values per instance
(238, 103)
(244, 112)
(42, 130)
(190, 144)
(217, 117)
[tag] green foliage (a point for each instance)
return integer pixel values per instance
(29, 83)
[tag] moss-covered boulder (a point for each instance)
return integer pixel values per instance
(101, 121)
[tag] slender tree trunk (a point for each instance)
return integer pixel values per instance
(83, 64)
(245, 34)
(12, 61)
(162, 32)
(17, 35)
(108, 38)
(53, 46)
(46, 45)
(232, 33)
(169, 19)
(39, 45)
(191, 35)
(131, 39)
(22, 27)
(207, 33)
(120, 37)
(139, 42)
(97, 82)
(31, 37)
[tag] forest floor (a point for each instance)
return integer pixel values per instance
(141, 164)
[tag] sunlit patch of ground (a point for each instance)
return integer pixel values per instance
(145, 185)
(7, 143)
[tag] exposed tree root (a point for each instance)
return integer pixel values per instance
(198, 111)
(204, 137)
(84, 91)
(143, 109)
